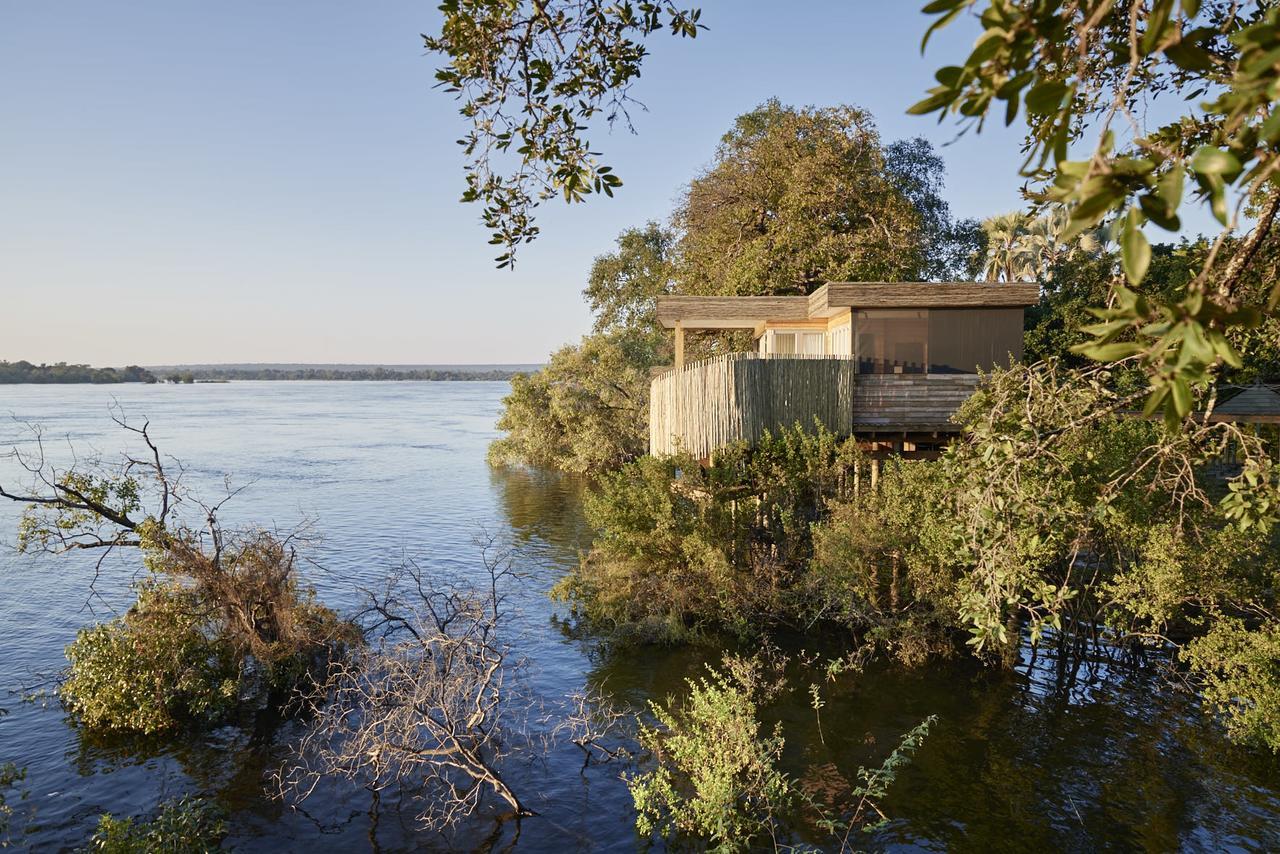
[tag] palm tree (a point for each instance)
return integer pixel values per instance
(1007, 258)
(1022, 248)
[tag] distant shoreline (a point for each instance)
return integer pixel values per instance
(26, 373)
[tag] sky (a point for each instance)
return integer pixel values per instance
(278, 180)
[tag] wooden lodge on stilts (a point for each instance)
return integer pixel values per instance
(888, 363)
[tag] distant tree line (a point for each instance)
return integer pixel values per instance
(61, 372)
(207, 374)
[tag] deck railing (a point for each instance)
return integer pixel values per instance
(738, 396)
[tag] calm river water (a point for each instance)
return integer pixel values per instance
(389, 471)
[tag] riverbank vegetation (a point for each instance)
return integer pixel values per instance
(353, 373)
(22, 372)
(1054, 515)
(1090, 498)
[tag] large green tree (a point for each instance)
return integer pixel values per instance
(796, 197)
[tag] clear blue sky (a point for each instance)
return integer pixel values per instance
(278, 181)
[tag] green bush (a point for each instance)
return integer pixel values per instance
(681, 548)
(150, 669)
(185, 826)
(1240, 670)
(176, 658)
(717, 777)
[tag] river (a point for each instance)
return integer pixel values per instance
(384, 472)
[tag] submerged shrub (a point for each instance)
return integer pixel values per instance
(152, 668)
(185, 826)
(195, 651)
(1240, 669)
(222, 621)
(717, 777)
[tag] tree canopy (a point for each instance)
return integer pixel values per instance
(796, 197)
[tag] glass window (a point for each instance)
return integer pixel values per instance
(891, 341)
(784, 343)
(965, 340)
(812, 343)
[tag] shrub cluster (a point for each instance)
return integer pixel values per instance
(1055, 512)
(184, 826)
(681, 548)
(203, 642)
(717, 777)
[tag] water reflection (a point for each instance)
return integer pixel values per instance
(542, 508)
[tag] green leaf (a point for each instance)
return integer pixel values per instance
(1189, 57)
(1218, 201)
(1190, 8)
(933, 102)
(1181, 395)
(1214, 161)
(940, 23)
(1108, 352)
(987, 46)
(1195, 346)
(1135, 251)
(1155, 400)
(1157, 21)
(1169, 186)
(1158, 212)
(1271, 127)
(1046, 97)
(1223, 348)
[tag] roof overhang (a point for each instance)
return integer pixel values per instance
(729, 312)
(837, 297)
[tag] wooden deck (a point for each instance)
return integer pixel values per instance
(738, 397)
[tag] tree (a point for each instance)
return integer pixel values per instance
(623, 285)
(1071, 69)
(954, 248)
(587, 410)
(1006, 260)
(796, 197)
(532, 75)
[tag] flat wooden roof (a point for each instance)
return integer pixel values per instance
(836, 297)
(729, 312)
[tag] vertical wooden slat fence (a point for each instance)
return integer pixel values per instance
(738, 396)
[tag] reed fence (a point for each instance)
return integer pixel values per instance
(738, 396)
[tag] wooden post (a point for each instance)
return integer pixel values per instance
(679, 345)
(875, 474)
